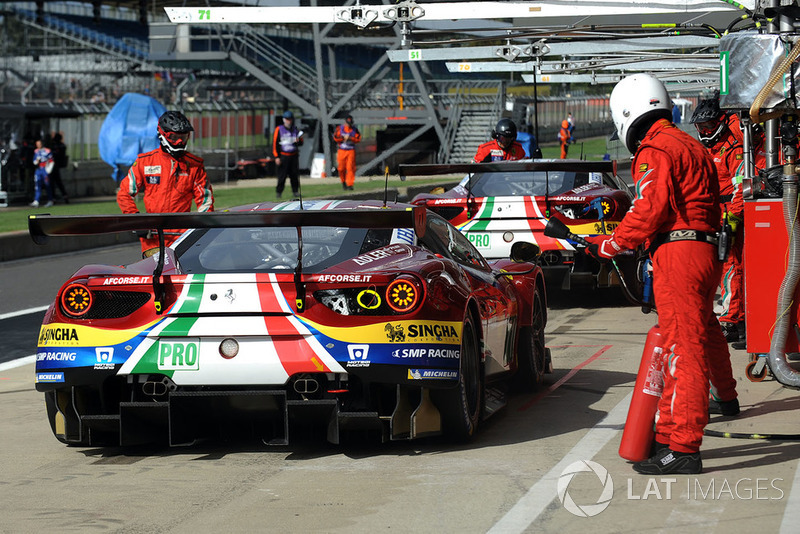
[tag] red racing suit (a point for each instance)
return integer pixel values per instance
(729, 161)
(760, 156)
(677, 189)
(492, 151)
(168, 186)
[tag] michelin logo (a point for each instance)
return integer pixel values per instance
(358, 355)
(431, 374)
(49, 377)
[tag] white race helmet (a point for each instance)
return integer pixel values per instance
(634, 99)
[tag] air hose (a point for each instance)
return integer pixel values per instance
(739, 435)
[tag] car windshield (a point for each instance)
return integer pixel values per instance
(274, 249)
(538, 183)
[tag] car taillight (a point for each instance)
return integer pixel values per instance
(609, 207)
(76, 300)
(403, 294)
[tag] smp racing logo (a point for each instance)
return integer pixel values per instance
(60, 335)
(422, 332)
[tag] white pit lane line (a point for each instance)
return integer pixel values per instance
(19, 362)
(791, 514)
(545, 491)
(22, 312)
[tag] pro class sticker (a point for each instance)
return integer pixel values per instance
(182, 355)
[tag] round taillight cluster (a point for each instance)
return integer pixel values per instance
(403, 294)
(609, 207)
(76, 300)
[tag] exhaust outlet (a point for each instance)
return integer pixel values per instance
(155, 389)
(306, 386)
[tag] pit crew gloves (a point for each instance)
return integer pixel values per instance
(603, 247)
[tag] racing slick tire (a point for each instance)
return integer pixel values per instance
(462, 406)
(532, 360)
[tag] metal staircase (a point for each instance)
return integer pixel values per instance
(263, 56)
(474, 126)
(470, 120)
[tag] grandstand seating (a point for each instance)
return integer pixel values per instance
(119, 37)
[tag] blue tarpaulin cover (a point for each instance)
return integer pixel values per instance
(130, 129)
(528, 142)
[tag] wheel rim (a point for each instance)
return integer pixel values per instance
(469, 369)
(537, 335)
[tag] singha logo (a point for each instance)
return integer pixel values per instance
(395, 333)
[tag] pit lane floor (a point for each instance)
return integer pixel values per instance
(505, 480)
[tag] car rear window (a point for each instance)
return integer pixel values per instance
(274, 249)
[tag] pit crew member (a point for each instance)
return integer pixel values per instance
(286, 140)
(346, 136)
(676, 213)
(503, 146)
(169, 178)
(714, 132)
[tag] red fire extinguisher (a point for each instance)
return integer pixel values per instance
(637, 437)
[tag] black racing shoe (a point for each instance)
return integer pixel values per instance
(729, 408)
(657, 447)
(344, 186)
(730, 331)
(668, 462)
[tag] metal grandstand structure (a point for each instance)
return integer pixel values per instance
(406, 66)
(602, 40)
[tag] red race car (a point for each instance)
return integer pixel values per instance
(498, 204)
(340, 314)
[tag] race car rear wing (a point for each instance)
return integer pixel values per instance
(508, 166)
(41, 227)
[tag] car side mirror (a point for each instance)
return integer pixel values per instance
(524, 252)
